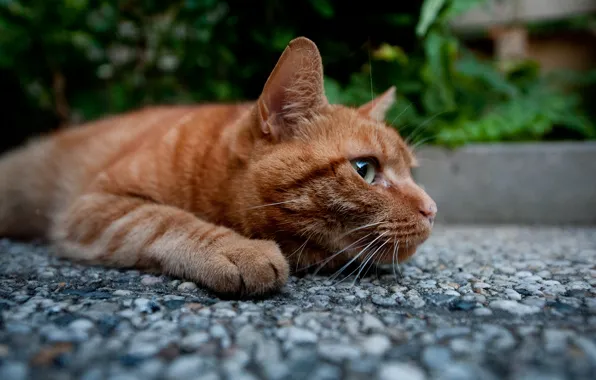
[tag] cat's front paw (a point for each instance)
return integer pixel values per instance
(248, 267)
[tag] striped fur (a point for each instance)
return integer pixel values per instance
(226, 195)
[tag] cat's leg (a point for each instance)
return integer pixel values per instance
(127, 231)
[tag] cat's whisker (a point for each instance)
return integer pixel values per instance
(298, 249)
(300, 254)
(336, 254)
(272, 204)
(376, 265)
(420, 143)
(366, 258)
(420, 127)
(360, 267)
(327, 259)
(401, 113)
(358, 229)
(358, 255)
(366, 262)
(396, 268)
(372, 94)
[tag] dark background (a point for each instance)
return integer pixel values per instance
(63, 62)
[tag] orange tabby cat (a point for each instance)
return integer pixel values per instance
(218, 194)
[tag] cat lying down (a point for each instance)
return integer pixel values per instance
(230, 196)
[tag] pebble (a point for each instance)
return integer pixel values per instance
(427, 284)
(514, 307)
(194, 341)
(461, 304)
(436, 358)
(145, 305)
(187, 286)
(483, 312)
(440, 299)
(463, 309)
(538, 302)
(81, 324)
(451, 332)
(556, 341)
(47, 275)
(384, 301)
(587, 346)
(149, 369)
(370, 323)
(220, 333)
(578, 285)
(13, 371)
(151, 280)
(415, 299)
(185, 367)
(325, 372)
(296, 335)
(544, 274)
(461, 346)
(122, 292)
(513, 295)
(337, 353)
(481, 285)
(506, 270)
(395, 371)
(376, 345)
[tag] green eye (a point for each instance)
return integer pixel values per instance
(366, 168)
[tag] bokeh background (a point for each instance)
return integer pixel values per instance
(461, 77)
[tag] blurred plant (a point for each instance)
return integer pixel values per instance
(75, 60)
(450, 97)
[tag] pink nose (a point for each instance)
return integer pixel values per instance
(428, 209)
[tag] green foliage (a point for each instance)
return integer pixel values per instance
(75, 60)
(450, 97)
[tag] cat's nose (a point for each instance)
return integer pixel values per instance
(428, 209)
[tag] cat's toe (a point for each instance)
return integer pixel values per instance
(261, 265)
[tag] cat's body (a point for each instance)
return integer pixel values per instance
(216, 193)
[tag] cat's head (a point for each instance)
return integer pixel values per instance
(330, 176)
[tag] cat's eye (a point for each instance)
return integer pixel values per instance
(366, 168)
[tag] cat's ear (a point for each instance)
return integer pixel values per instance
(294, 89)
(377, 108)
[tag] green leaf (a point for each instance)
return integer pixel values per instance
(439, 95)
(390, 53)
(473, 67)
(457, 7)
(428, 15)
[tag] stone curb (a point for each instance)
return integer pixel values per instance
(521, 183)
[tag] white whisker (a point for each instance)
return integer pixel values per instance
(401, 113)
(325, 261)
(394, 258)
(300, 254)
(418, 129)
(273, 204)
(366, 262)
(359, 228)
(372, 94)
(359, 254)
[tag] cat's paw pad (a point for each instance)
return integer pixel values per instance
(251, 267)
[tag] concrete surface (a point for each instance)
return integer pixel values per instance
(535, 183)
(480, 303)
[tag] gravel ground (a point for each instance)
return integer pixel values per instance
(474, 303)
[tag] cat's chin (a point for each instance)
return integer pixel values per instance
(406, 253)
